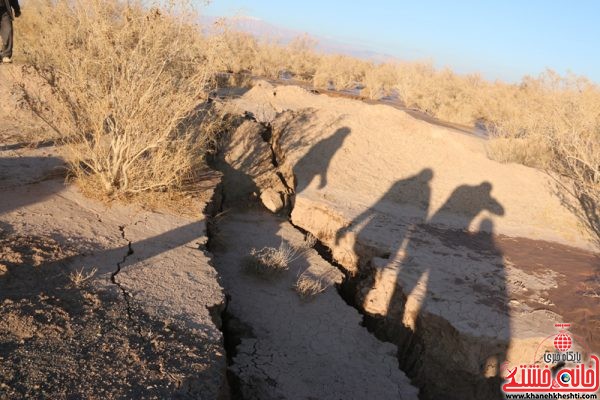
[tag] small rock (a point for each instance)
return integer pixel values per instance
(272, 200)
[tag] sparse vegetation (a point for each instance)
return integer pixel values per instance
(270, 260)
(548, 122)
(310, 284)
(339, 72)
(127, 85)
(79, 277)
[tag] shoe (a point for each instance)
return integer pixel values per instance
(6, 60)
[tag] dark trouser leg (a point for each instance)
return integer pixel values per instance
(6, 32)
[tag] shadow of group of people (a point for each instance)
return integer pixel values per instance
(402, 221)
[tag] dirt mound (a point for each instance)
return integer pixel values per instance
(367, 151)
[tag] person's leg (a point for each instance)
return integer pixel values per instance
(6, 32)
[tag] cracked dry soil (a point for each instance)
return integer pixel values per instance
(63, 341)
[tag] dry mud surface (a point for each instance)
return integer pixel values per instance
(61, 340)
(149, 331)
(435, 265)
(290, 347)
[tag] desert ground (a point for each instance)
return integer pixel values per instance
(416, 266)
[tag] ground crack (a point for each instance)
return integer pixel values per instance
(113, 277)
(347, 290)
(269, 138)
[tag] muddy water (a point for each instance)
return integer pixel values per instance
(577, 295)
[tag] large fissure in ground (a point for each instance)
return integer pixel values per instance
(451, 345)
(434, 376)
(430, 349)
(232, 328)
(253, 358)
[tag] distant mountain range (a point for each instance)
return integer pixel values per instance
(265, 30)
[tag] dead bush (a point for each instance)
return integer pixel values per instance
(81, 276)
(310, 284)
(127, 83)
(236, 51)
(379, 81)
(302, 60)
(553, 122)
(339, 72)
(527, 151)
(576, 162)
(270, 260)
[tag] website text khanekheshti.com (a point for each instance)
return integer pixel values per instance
(551, 396)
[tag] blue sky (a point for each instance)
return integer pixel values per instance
(502, 39)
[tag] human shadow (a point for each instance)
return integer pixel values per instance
(469, 275)
(316, 162)
(465, 284)
(436, 268)
(466, 202)
(411, 194)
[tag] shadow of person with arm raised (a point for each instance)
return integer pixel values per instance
(317, 160)
(389, 221)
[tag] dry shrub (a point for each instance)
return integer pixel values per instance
(523, 150)
(553, 122)
(127, 83)
(81, 276)
(309, 284)
(442, 94)
(270, 260)
(270, 61)
(411, 84)
(576, 161)
(339, 72)
(379, 81)
(301, 59)
(236, 51)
